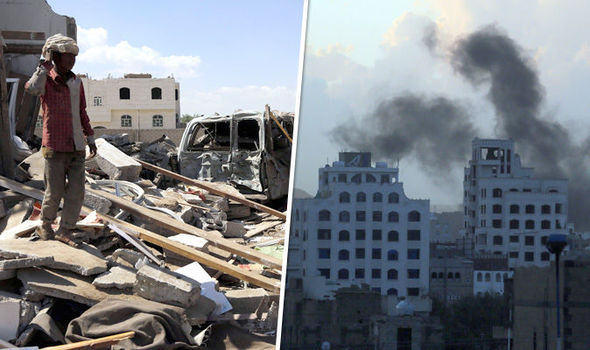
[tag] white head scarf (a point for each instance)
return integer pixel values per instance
(59, 43)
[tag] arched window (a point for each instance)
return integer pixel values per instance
(392, 255)
(343, 274)
(392, 291)
(497, 193)
(457, 275)
(514, 224)
(344, 236)
(343, 254)
(440, 276)
(361, 197)
(297, 215)
(344, 216)
(126, 121)
(392, 274)
(413, 216)
(450, 275)
(156, 93)
(344, 197)
(157, 121)
(479, 277)
(433, 276)
(530, 209)
(488, 277)
(498, 277)
(392, 236)
(370, 178)
(514, 209)
(393, 197)
(546, 209)
(393, 216)
(377, 197)
(324, 215)
(546, 225)
(529, 224)
(505, 276)
(124, 93)
(356, 179)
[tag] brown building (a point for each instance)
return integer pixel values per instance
(451, 275)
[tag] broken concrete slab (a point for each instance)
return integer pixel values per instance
(67, 285)
(27, 310)
(17, 214)
(126, 257)
(245, 301)
(85, 261)
(115, 163)
(117, 277)
(158, 284)
(7, 274)
(189, 240)
(208, 286)
(238, 211)
(20, 263)
(22, 229)
(10, 311)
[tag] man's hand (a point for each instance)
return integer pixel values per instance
(93, 150)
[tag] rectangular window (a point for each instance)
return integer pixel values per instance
(529, 240)
(413, 273)
(384, 179)
(376, 254)
(544, 240)
(413, 292)
(324, 234)
(325, 273)
(360, 215)
(513, 239)
(413, 235)
(359, 273)
(342, 178)
(557, 208)
(513, 255)
(360, 235)
(324, 253)
(497, 223)
(359, 253)
(97, 101)
(375, 273)
(529, 256)
(413, 254)
(377, 235)
(377, 216)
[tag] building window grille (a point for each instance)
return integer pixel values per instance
(377, 197)
(344, 216)
(126, 121)
(156, 93)
(343, 254)
(157, 121)
(361, 197)
(97, 101)
(497, 193)
(344, 236)
(344, 197)
(392, 255)
(413, 235)
(514, 224)
(393, 197)
(392, 236)
(324, 215)
(124, 93)
(392, 274)
(413, 216)
(514, 209)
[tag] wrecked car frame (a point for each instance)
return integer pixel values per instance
(246, 149)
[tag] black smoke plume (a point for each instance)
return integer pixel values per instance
(437, 132)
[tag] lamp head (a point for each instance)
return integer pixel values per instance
(556, 243)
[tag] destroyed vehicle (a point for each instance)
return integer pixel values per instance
(246, 149)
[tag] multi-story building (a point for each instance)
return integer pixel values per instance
(507, 210)
(360, 228)
(134, 102)
(451, 273)
(489, 274)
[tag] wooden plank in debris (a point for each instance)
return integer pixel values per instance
(181, 227)
(191, 253)
(261, 227)
(213, 190)
(98, 343)
(21, 188)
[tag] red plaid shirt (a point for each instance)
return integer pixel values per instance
(58, 133)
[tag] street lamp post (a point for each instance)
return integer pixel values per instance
(555, 244)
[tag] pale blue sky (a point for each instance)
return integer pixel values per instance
(240, 53)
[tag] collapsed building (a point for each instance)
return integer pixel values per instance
(162, 260)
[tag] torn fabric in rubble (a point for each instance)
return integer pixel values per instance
(156, 325)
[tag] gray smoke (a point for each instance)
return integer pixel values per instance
(488, 56)
(437, 132)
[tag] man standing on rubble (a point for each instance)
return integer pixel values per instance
(66, 130)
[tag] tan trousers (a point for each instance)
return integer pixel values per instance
(60, 166)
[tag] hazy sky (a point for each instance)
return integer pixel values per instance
(225, 54)
(360, 54)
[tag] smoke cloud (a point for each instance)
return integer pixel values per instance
(437, 132)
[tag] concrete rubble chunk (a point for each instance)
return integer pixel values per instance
(158, 284)
(16, 215)
(117, 277)
(233, 229)
(115, 163)
(85, 261)
(7, 274)
(126, 257)
(100, 204)
(10, 311)
(190, 240)
(208, 286)
(246, 301)
(67, 285)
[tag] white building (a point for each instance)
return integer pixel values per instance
(507, 210)
(489, 274)
(360, 228)
(136, 101)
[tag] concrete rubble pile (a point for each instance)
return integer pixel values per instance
(210, 253)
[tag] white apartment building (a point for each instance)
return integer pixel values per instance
(136, 101)
(489, 274)
(361, 228)
(507, 210)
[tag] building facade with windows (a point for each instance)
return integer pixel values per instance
(360, 228)
(136, 101)
(507, 210)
